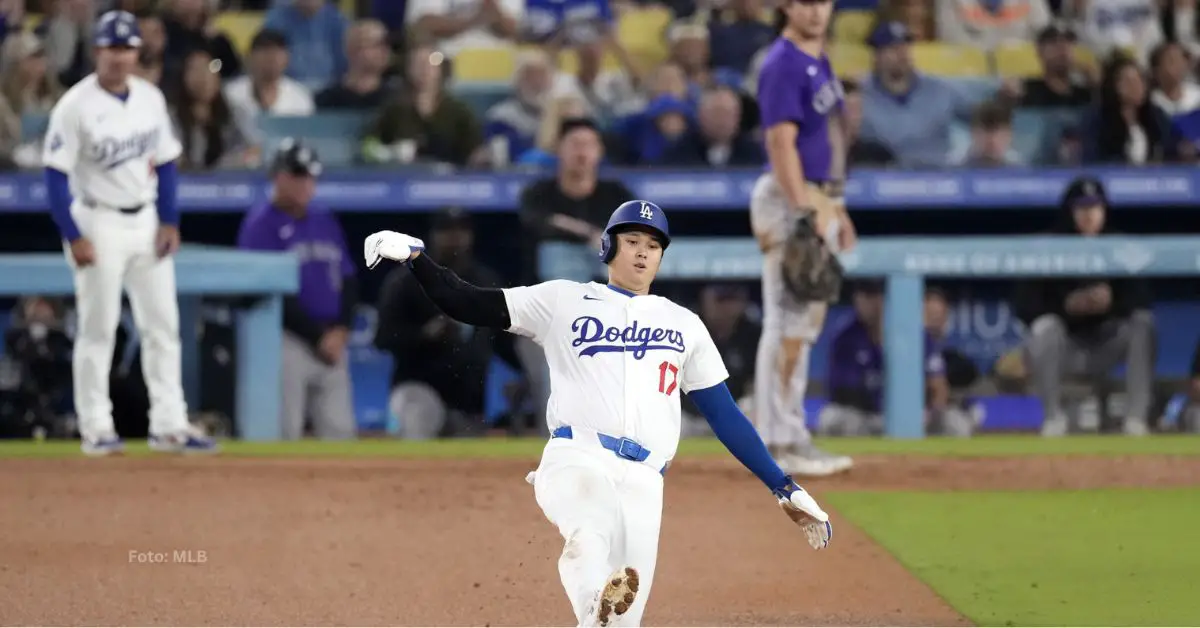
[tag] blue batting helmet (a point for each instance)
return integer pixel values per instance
(117, 28)
(634, 214)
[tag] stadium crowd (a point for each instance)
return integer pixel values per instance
(564, 86)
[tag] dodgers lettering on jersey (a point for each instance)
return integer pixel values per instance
(109, 146)
(318, 243)
(618, 363)
(796, 87)
(596, 337)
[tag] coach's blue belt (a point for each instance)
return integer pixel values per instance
(623, 447)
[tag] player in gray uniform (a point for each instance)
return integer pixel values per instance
(317, 321)
(800, 101)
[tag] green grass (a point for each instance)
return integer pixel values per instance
(1095, 558)
(992, 445)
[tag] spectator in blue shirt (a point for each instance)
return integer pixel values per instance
(908, 112)
(316, 34)
(566, 22)
(512, 124)
(737, 34)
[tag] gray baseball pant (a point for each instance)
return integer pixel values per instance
(315, 390)
(1052, 353)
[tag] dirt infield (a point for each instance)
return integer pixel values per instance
(233, 541)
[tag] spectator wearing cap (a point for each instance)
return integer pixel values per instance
(737, 34)
(511, 126)
(456, 25)
(908, 112)
(717, 139)
(189, 25)
(424, 122)
(317, 320)
(573, 205)
(67, 33)
(664, 123)
(988, 23)
(688, 47)
(440, 365)
(916, 15)
(991, 138)
(316, 36)
(725, 311)
(1175, 92)
(1064, 82)
(1125, 127)
(857, 376)
(362, 87)
(1087, 327)
(265, 90)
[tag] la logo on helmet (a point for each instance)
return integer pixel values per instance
(647, 213)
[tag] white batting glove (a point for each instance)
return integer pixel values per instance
(397, 247)
(802, 509)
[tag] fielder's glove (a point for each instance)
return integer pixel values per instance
(811, 272)
(397, 247)
(801, 508)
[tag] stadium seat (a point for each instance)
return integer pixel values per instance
(487, 65)
(335, 136)
(850, 60)
(240, 27)
(1017, 60)
(643, 32)
(949, 60)
(852, 27)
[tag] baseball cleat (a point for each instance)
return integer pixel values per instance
(810, 461)
(186, 442)
(103, 446)
(617, 596)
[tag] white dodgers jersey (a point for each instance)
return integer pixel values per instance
(618, 363)
(109, 146)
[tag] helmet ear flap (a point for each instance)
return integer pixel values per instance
(607, 248)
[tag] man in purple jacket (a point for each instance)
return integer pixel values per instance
(316, 321)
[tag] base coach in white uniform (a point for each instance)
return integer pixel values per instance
(111, 185)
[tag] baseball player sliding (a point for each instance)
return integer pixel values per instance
(111, 185)
(619, 360)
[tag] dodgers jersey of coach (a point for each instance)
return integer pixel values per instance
(112, 187)
(108, 145)
(618, 361)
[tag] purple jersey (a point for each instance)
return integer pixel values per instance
(317, 241)
(796, 87)
(856, 362)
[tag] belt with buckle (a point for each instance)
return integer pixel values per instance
(90, 204)
(622, 447)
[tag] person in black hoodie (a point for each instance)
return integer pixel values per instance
(439, 365)
(1088, 325)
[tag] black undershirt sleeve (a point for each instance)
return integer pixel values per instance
(464, 302)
